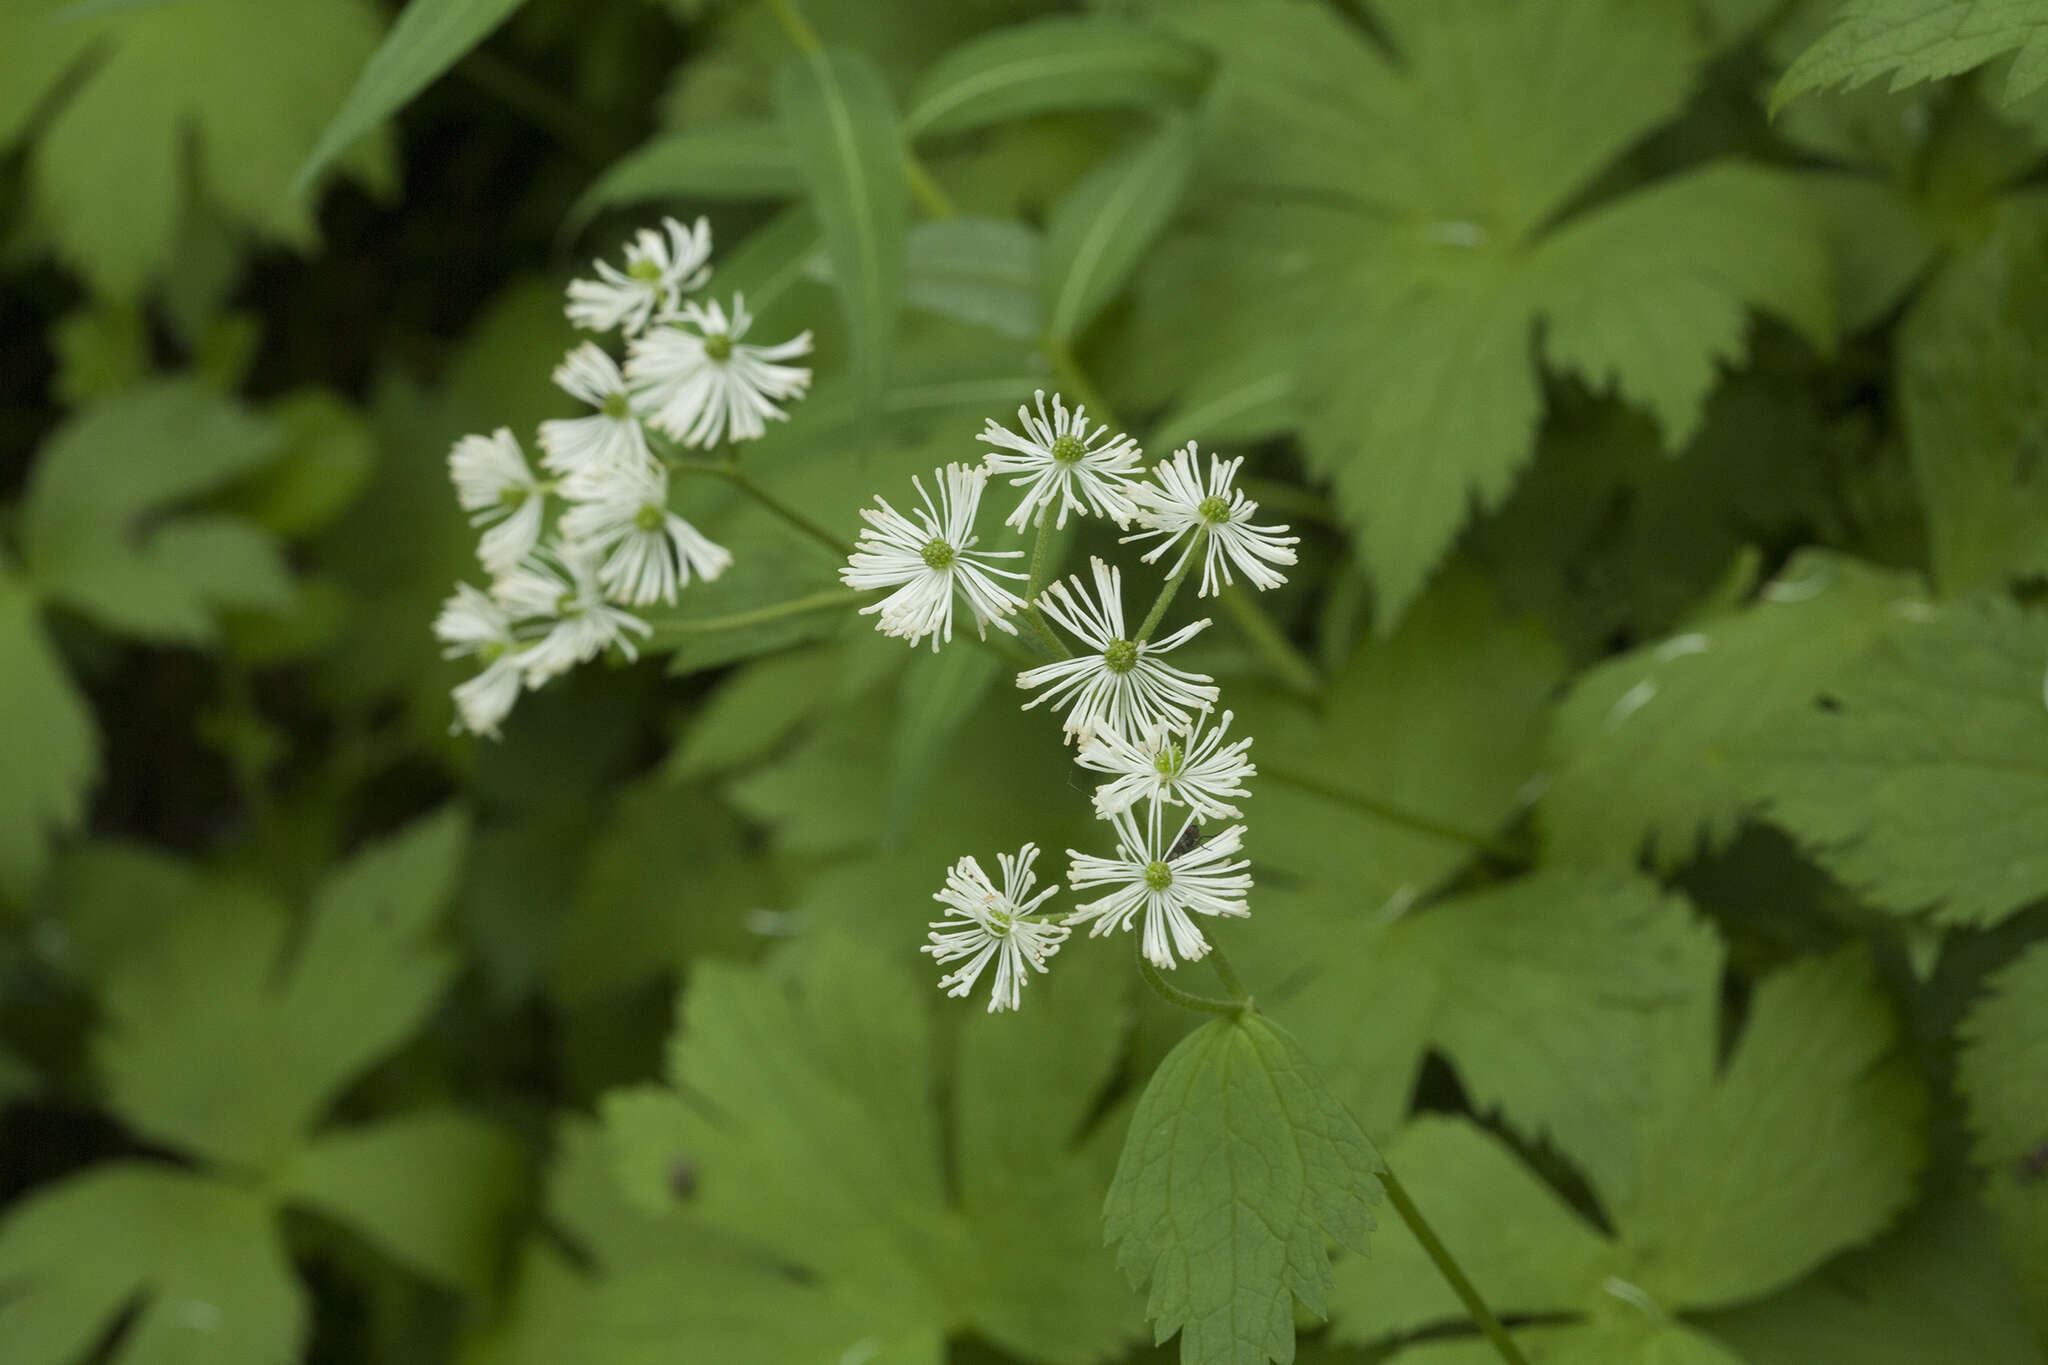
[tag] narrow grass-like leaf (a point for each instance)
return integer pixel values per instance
(1056, 63)
(729, 161)
(1105, 223)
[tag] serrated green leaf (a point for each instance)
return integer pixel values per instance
(1239, 1169)
(218, 1040)
(435, 1190)
(2000, 1072)
(1649, 747)
(93, 533)
(429, 37)
(1921, 40)
(1973, 379)
(839, 119)
(1105, 223)
(737, 161)
(1920, 778)
(214, 1285)
(1052, 64)
(245, 81)
(55, 746)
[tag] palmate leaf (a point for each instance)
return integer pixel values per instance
(1920, 777)
(2003, 1074)
(801, 1105)
(248, 82)
(1920, 40)
(54, 750)
(1803, 1145)
(1432, 199)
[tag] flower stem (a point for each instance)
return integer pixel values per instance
(1073, 380)
(1227, 974)
(737, 477)
(799, 606)
(1053, 644)
(802, 36)
(1453, 1274)
(1166, 593)
(1387, 810)
(1174, 995)
(1289, 665)
(927, 191)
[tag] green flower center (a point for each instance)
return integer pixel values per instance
(718, 346)
(937, 554)
(617, 406)
(1214, 510)
(1068, 449)
(1167, 761)
(1158, 876)
(650, 516)
(1000, 922)
(490, 651)
(512, 497)
(647, 271)
(1120, 655)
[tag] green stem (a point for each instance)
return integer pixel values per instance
(930, 196)
(1453, 1274)
(799, 606)
(558, 117)
(1053, 643)
(1166, 593)
(1227, 974)
(1174, 995)
(1290, 666)
(1074, 383)
(802, 36)
(1388, 811)
(737, 477)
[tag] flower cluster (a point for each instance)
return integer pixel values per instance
(1146, 724)
(574, 550)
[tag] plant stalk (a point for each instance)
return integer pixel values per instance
(738, 478)
(1388, 811)
(1290, 667)
(1053, 643)
(1174, 995)
(1453, 1273)
(1172, 586)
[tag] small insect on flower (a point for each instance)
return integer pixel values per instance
(1119, 685)
(1216, 519)
(648, 552)
(558, 587)
(700, 384)
(609, 438)
(925, 560)
(1192, 768)
(1060, 460)
(983, 923)
(498, 490)
(661, 267)
(472, 626)
(1170, 879)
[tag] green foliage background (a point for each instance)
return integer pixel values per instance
(1652, 827)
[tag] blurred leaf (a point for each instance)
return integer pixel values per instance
(197, 1258)
(429, 37)
(1648, 745)
(1239, 1170)
(2003, 1074)
(1919, 778)
(983, 271)
(939, 696)
(99, 351)
(218, 1040)
(1105, 223)
(94, 533)
(330, 452)
(1920, 40)
(1973, 378)
(434, 1189)
(53, 744)
(1053, 64)
(246, 82)
(737, 161)
(837, 114)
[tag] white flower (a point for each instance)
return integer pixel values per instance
(471, 625)
(648, 552)
(494, 485)
(560, 586)
(1118, 684)
(983, 923)
(609, 438)
(699, 383)
(1215, 515)
(926, 559)
(1168, 878)
(660, 269)
(1057, 458)
(1192, 768)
